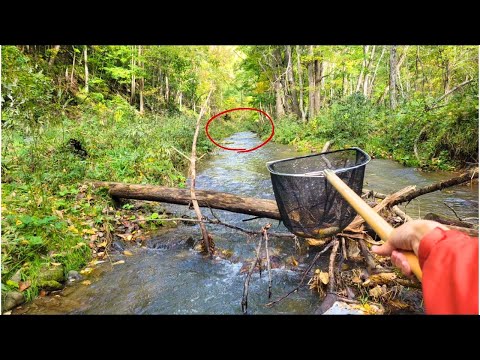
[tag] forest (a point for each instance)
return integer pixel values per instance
(127, 113)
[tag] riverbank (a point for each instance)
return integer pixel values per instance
(445, 138)
(52, 218)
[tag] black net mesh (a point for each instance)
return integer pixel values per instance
(309, 205)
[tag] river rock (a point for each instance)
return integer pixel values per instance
(11, 300)
(51, 274)
(341, 308)
(118, 245)
(50, 285)
(73, 276)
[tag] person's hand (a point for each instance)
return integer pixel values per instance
(406, 237)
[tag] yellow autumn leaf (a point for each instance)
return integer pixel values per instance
(356, 280)
(86, 282)
(59, 213)
(126, 237)
(102, 244)
(377, 291)
(79, 245)
(128, 253)
(90, 231)
(315, 242)
(86, 271)
(119, 262)
(382, 278)
(18, 222)
(366, 282)
(324, 277)
(73, 229)
(95, 262)
(294, 262)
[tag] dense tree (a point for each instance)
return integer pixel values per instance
(427, 90)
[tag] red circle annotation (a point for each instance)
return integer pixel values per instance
(240, 150)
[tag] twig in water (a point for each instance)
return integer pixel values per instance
(458, 217)
(328, 246)
(250, 219)
(265, 236)
(247, 279)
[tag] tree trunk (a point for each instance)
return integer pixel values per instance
(55, 51)
(370, 90)
(311, 86)
(133, 82)
(365, 85)
(368, 75)
(85, 60)
(284, 94)
(279, 110)
(319, 68)
(73, 68)
(291, 80)
(142, 79)
(393, 77)
(344, 81)
(364, 65)
(446, 82)
(300, 83)
(167, 90)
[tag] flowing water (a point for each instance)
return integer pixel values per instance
(180, 281)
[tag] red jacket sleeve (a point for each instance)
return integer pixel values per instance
(449, 261)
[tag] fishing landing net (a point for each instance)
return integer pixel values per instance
(309, 205)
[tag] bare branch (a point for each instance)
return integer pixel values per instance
(193, 159)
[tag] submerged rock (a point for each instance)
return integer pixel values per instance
(118, 245)
(73, 276)
(172, 241)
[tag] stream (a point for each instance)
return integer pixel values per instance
(180, 281)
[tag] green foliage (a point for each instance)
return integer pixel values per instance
(435, 124)
(26, 91)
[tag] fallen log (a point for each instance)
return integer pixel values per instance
(223, 201)
(468, 176)
(206, 198)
